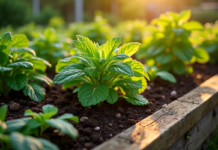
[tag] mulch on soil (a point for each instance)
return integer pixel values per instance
(112, 119)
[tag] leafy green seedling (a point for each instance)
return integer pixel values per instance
(170, 46)
(43, 121)
(103, 69)
(10, 139)
(50, 46)
(19, 68)
(154, 72)
(208, 40)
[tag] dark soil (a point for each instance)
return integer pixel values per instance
(112, 119)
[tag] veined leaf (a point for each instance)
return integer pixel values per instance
(142, 81)
(137, 68)
(184, 16)
(110, 46)
(20, 41)
(69, 73)
(129, 48)
(63, 126)
(40, 77)
(120, 57)
(43, 60)
(34, 91)
(128, 83)
(90, 95)
(71, 83)
(17, 82)
(3, 69)
(49, 110)
(112, 96)
(5, 43)
(91, 71)
(155, 49)
(67, 61)
(185, 53)
(121, 68)
(24, 50)
(20, 64)
(15, 125)
(136, 100)
(192, 26)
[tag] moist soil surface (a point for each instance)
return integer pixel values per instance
(112, 119)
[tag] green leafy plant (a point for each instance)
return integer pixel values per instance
(43, 121)
(50, 46)
(20, 68)
(208, 40)
(154, 72)
(170, 46)
(103, 69)
(10, 139)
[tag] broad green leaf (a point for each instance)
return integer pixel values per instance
(20, 41)
(40, 59)
(3, 112)
(184, 53)
(49, 109)
(40, 77)
(63, 126)
(90, 95)
(21, 64)
(34, 123)
(29, 112)
(179, 67)
(38, 64)
(164, 58)
(201, 55)
(34, 91)
(112, 96)
(136, 100)
(210, 48)
(15, 125)
(5, 43)
(166, 76)
(70, 73)
(82, 38)
(128, 83)
(121, 68)
(192, 26)
(129, 48)
(47, 145)
(87, 48)
(142, 81)
(20, 142)
(110, 46)
(3, 69)
(107, 76)
(137, 68)
(17, 82)
(76, 89)
(184, 16)
(70, 117)
(24, 50)
(67, 61)
(178, 31)
(120, 57)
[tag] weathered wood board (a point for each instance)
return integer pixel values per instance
(163, 128)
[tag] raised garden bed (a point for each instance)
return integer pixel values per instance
(106, 116)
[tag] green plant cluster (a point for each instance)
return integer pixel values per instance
(18, 134)
(169, 45)
(102, 69)
(20, 69)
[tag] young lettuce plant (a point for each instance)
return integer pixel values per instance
(103, 69)
(10, 139)
(43, 121)
(170, 46)
(154, 72)
(19, 68)
(50, 46)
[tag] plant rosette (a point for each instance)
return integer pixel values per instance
(20, 69)
(98, 71)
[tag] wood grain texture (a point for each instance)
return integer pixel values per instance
(163, 128)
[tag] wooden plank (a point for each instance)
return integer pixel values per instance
(198, 133)
(163, 128)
